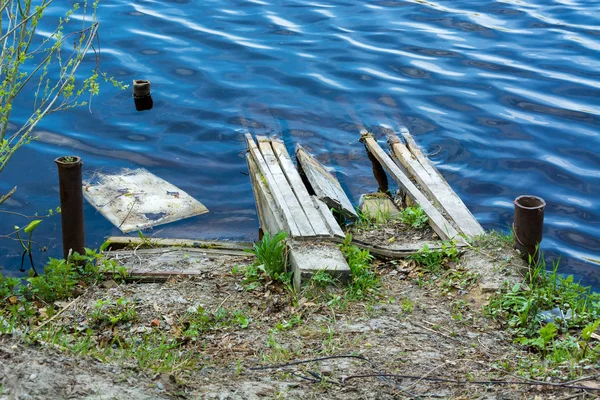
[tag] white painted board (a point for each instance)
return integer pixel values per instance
(137, 199)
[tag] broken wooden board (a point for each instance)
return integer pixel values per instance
(136, 199)
(433, 184)
(270, 217)
(173, 261)
(307, 259)
(283, 186)
(320, 227)
(224, 247)
(286, 216)
(438, 222)
(283, 203)
(325, 185)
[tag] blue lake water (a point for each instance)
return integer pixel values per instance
(503, 94)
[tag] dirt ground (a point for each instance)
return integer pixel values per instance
(416, 326)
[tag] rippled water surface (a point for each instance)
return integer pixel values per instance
(504, 95)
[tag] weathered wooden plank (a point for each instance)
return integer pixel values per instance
(283, 185)
(437, 221)
(333, 226)
(270, 217)
(290, 224)
(326, 186)
(434, 184)
(312, 213)
(120, 242)
(307, 258)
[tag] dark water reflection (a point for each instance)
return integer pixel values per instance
(503, 94)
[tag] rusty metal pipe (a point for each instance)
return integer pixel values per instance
(528, 225)
(71, 204)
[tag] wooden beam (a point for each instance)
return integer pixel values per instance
(434, 184)
(283, 185)
(437, 221)
(279, 202)
(287, 165)
(121, 242)
(326, 186)
(270, 217)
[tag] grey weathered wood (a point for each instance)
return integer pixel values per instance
(326, 186)
(309, 258)
(270, 217)
(279, 201)
(434, 184)
(120, 242)
(437, 221)
(284, 187)
(312, 213)
(333, 226)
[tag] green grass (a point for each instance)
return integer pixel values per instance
(563, 338)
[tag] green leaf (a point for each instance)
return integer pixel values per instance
(32, 225)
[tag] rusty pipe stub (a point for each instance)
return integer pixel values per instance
(528, 225)
(141, 88)
(71, 204)
(141, 95)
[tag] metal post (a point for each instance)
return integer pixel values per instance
(528, 225)
(71, 204)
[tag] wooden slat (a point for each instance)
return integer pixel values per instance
(326, 186)
(437, 221)
(312, 213)
(279, 202)
(120, 242)
(434, 184)
(270, 217)
(334, 227)
(283, 185)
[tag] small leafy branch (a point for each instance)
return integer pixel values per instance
(44, 65)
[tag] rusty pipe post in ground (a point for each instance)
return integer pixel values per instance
(71, 204)
(528, 226)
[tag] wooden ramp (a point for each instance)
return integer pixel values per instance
(284, 203)
(448, 215)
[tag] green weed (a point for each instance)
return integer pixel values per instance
(435, 260)
(551, 315)
(414, 217)
(271, 256)
(363, 280)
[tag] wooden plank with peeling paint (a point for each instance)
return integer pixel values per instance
(287, 165)
(279, 201)
(284, 187)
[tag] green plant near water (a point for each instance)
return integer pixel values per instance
(271, 257)
(550, 314)
(363, 279)
(414, 217)
(434, 260)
